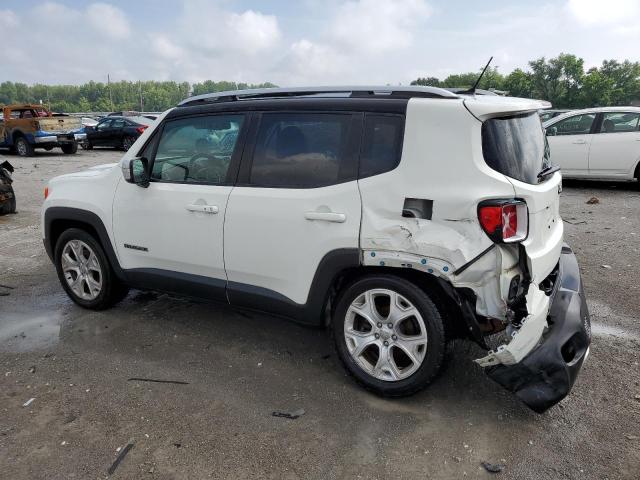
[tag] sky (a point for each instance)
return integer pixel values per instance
(303, 42)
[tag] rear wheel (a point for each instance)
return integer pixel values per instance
(389, 335)
(69, 148)
(84, 271)
(23, 148)
(127, 142)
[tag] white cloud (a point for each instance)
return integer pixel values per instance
(312, 42)
(109, 20)
(592, 12)
(8, 19)
(253, 31)
(164, 48)
(377, 25)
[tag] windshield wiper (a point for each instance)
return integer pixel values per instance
(550, 170)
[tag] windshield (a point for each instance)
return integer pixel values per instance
(516, 146)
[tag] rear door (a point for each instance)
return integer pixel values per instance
(114, 133)
(295, 203)
(569, 141)
(615, 149)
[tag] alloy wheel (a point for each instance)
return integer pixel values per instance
(81, 269)
(21, 148)
(385, 334)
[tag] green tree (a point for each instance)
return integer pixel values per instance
(558, 80)
(519, 84)
(427, 82)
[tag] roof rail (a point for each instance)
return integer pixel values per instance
(328, 92)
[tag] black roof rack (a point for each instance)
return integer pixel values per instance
(327, 92)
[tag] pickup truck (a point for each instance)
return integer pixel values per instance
(23, 128)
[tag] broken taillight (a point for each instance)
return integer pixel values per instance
(504, 221)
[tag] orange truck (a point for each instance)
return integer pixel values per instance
(23, 128)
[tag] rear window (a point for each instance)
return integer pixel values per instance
(516, 146)
(382, 145)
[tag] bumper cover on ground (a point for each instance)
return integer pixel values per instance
(546, 375)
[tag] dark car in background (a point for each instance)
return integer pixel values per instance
(118, 132)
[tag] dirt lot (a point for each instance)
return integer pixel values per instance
(241, 367)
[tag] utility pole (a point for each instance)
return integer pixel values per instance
(109, 87)
(141, 101)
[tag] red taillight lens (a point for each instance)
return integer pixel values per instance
(504, 221)
(46, 192)
(141, 129)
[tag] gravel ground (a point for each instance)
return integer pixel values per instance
(241, 367)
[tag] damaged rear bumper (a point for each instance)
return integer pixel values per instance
(545, 376)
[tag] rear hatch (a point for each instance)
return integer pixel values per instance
(514, 144)
(60, 124)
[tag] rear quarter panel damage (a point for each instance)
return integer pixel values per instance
(444, 165)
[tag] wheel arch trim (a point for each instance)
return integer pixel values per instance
(76, 217)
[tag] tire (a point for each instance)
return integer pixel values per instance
(69, 148)
(127, 142)
(23, 148)
(86, 145)
(404, 376)
(105, 290)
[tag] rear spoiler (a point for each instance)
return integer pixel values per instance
(486, 107)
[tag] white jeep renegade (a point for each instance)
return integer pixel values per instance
(399, 217)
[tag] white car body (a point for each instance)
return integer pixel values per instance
(267, 245)
(597, 152)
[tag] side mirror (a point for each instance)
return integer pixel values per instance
(552, 131)
(136, 170)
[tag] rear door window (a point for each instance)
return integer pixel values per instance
(382, 144)
(516, 146)
(300, 150)
(619, 122)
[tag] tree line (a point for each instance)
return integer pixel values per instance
(562, 81)
(114, 96)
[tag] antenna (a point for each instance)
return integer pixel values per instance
(475, 85)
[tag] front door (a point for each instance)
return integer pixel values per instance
(615, 150)
(100, 132)
(170, 235)
(296, 201)
(569, 141)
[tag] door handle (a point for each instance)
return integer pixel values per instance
(194, 207)
(326, 216)
(579, 142)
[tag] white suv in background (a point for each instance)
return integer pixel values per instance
(597, 142)
(398, 217)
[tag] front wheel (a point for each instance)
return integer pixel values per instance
(84, 271)
(69, 148)
(389, 335)
(127, 142)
